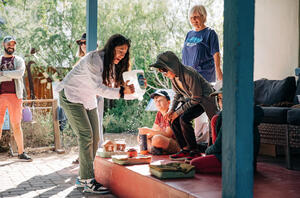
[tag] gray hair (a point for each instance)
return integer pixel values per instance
(200, 9)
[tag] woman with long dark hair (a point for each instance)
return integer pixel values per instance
(81, 46)
(99, 73)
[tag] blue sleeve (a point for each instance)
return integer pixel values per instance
(184, 54)
(214, 43)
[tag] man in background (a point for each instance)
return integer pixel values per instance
(12, 69)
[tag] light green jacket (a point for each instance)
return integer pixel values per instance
(16, 74)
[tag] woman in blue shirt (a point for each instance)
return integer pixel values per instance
(201, 46)
(201, 51)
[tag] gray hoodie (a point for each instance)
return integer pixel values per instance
(196, 89)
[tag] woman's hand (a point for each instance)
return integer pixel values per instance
(128, 89)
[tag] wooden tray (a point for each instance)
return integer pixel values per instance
(124, 160)
(106, 154)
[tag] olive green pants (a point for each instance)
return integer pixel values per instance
(86, 126)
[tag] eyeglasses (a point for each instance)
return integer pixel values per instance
(82, 43)
(197, 17)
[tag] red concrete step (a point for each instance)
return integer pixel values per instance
(136, 182)
(271, 180)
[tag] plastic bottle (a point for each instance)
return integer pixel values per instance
(136, 77)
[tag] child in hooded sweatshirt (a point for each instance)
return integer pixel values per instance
(190, 101)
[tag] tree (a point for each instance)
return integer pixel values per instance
(46, 31)
(50, 28)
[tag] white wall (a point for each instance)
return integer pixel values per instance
(276, 38)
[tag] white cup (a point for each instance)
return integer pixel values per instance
(298, 98)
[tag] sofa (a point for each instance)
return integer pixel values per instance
(281, 122)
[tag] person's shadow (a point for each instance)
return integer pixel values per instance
(57, 184)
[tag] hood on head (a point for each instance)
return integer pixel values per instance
(169, 61)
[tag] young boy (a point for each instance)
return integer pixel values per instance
(160, 137)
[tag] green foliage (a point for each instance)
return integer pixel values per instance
(46, 32)
(39, 132)
(127, 116)
(141, 22)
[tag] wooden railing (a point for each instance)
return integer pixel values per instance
(54, 106)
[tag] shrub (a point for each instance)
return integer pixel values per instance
(127, 116)
(39, 132)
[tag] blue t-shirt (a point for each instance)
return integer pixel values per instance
(198, 50)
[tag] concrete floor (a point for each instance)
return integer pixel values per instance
(49, 175)
(53, 175)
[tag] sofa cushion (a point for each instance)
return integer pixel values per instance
(296, 101)
(268, 92)
(275, 115)
(293, 117)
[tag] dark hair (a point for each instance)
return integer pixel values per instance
(80, 52)
(108, 49)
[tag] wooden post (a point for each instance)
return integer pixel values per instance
(91, 24)
(30, 80)
(237, 129)
(57, 143)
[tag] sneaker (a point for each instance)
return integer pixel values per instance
(192, 155)
(156, 151)
(94, 187)
(180, 156)
(24, 157)
(80, 183)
